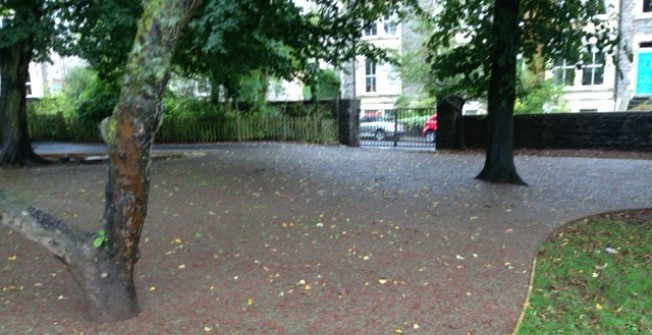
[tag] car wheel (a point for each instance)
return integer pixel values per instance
(430, 137)
(379, 135)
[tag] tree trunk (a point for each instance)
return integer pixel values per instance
(102, 263)
(499, 164)
(15, 146)
(130, 136)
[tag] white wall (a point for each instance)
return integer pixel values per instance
(388, 81)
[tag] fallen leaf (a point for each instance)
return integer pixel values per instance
(11, 258)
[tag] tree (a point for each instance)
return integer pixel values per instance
(275, 38)
(489, 36)
(28, 31)
(102, 263)
(104, 33)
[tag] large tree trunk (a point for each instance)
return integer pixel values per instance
(15, 145)
(499, 164)
(102, 263)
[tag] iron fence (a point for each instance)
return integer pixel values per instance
(404, 127)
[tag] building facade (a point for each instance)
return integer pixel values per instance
(48, 78)
(593, 85)
(636, 28)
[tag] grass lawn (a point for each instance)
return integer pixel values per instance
(594, 276)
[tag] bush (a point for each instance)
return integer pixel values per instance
(185, 108)
(92, 98)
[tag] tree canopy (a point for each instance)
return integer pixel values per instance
(228, 39)
(477, 43)
(462, 41)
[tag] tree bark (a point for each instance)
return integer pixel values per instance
(499, 164)
(15, 145)
(102, 263)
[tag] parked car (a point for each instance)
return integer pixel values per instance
(380, 129)
(430, 129)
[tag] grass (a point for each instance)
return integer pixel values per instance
(594, 276)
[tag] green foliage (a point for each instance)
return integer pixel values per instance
(405, 101)
(99, 239)
(325, 85)
(52, 105)
(35, 22)
(536, 94)
(92, 97)
(413, 118)
(227, 40)
(547, 31)
(104, 33)
(592, 277)
(188, 108)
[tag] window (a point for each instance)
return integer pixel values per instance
(564, 73)
(593, 72)
(370, 76)
(601, 7)
(390, 24)
(28, 84)
(393, 78)
(647, 6)
(370, 30)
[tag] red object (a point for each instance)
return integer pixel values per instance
(430, 128)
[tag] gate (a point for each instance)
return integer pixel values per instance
(405, 127)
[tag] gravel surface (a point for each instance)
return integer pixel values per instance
(300, 239)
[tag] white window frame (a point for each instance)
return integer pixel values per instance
(370, 30)
(593, 67)
(370, 76)
(390, 25)
(28, 84)
(565, 68)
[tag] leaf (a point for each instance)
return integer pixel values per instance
(99, 239)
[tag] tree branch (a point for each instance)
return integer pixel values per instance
(40, 227)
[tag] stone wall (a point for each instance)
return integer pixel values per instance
(611, 131)
(348, 118)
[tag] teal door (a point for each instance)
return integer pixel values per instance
(644, 75)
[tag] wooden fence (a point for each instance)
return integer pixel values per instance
(310, 129)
